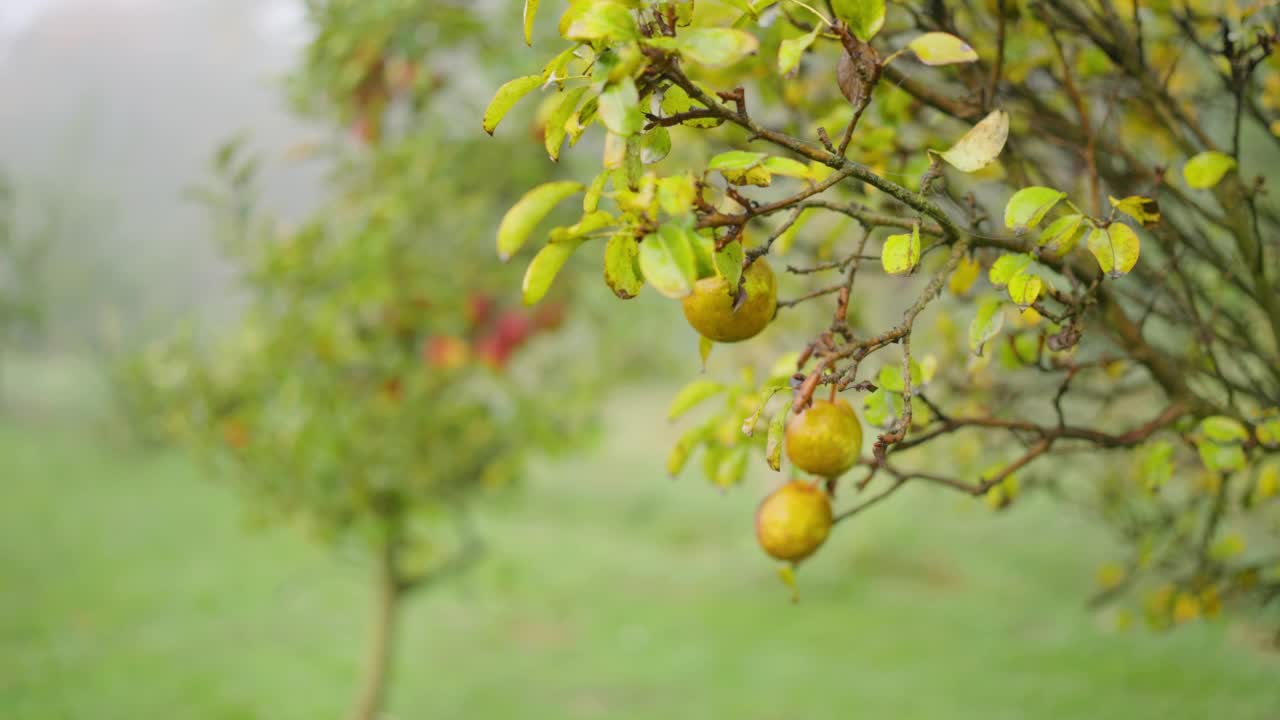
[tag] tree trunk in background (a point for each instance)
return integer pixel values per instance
(377, 669)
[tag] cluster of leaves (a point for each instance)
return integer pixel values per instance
(1127, 306)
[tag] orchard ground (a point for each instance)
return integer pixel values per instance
(133, 590)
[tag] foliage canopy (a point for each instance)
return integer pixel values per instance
(1068, 179)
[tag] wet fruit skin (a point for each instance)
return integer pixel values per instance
(709, 308)
(825, 439)
(794, 521)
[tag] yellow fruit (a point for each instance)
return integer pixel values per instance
(825, 439)
(709, 308)
(794, 521)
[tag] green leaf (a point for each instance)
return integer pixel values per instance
(901, 253)
(1006, 266)
(620, 108)
(1060, 237)
(530, 10)
(559, 64)
(589, 223)
(704, 252)
(733, 467)
(890, 377)
(666, 259)
(506, 98)
(792, 49)
(654, 145)
(1221, 458)
(981, 145)
(728, 261)
(676, 194)
(692, 394)
(938, 48)
(1224, 430)
(1220, 443)
(787, 167)
(1205, 170)
(1116, 248)
(607, 21)
(735, 160)
(882, 408)
(1155, 465)
(622, 265)
(565, 105)
(1024, 288)
(773, 445)
(591, 200)
(749, 425)
(685, 446)
(1028, 207)
(1227, 546)
(675, 101)
(986, 324)
(543, 269)
(758, 176)
(1268, 430)
(864, 17)
(705, 346)
(528, 211)
(713, 47)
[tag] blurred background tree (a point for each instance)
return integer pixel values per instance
(376, 380)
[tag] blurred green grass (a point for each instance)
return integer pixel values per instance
(132, 590)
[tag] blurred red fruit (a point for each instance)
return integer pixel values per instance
(235, 435)
(549, 316)
(479, 309)
(445, 352)
(514, 327)
(493, 351)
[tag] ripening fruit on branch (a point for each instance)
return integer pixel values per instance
(825, 439)
(794, 521)
(709, 308)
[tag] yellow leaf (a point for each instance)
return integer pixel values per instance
(1143, 209)
(1109, 576)
(1207, 169)
(530, 10)
(938, 48)
(1024, 288)
(901, 253)
(787, 574)
(506, 98)
(1268, 483)
(1116, 248)
(1186, 608)
(1029, 205)
(981, 145)
(964, 276)
(528, 211)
